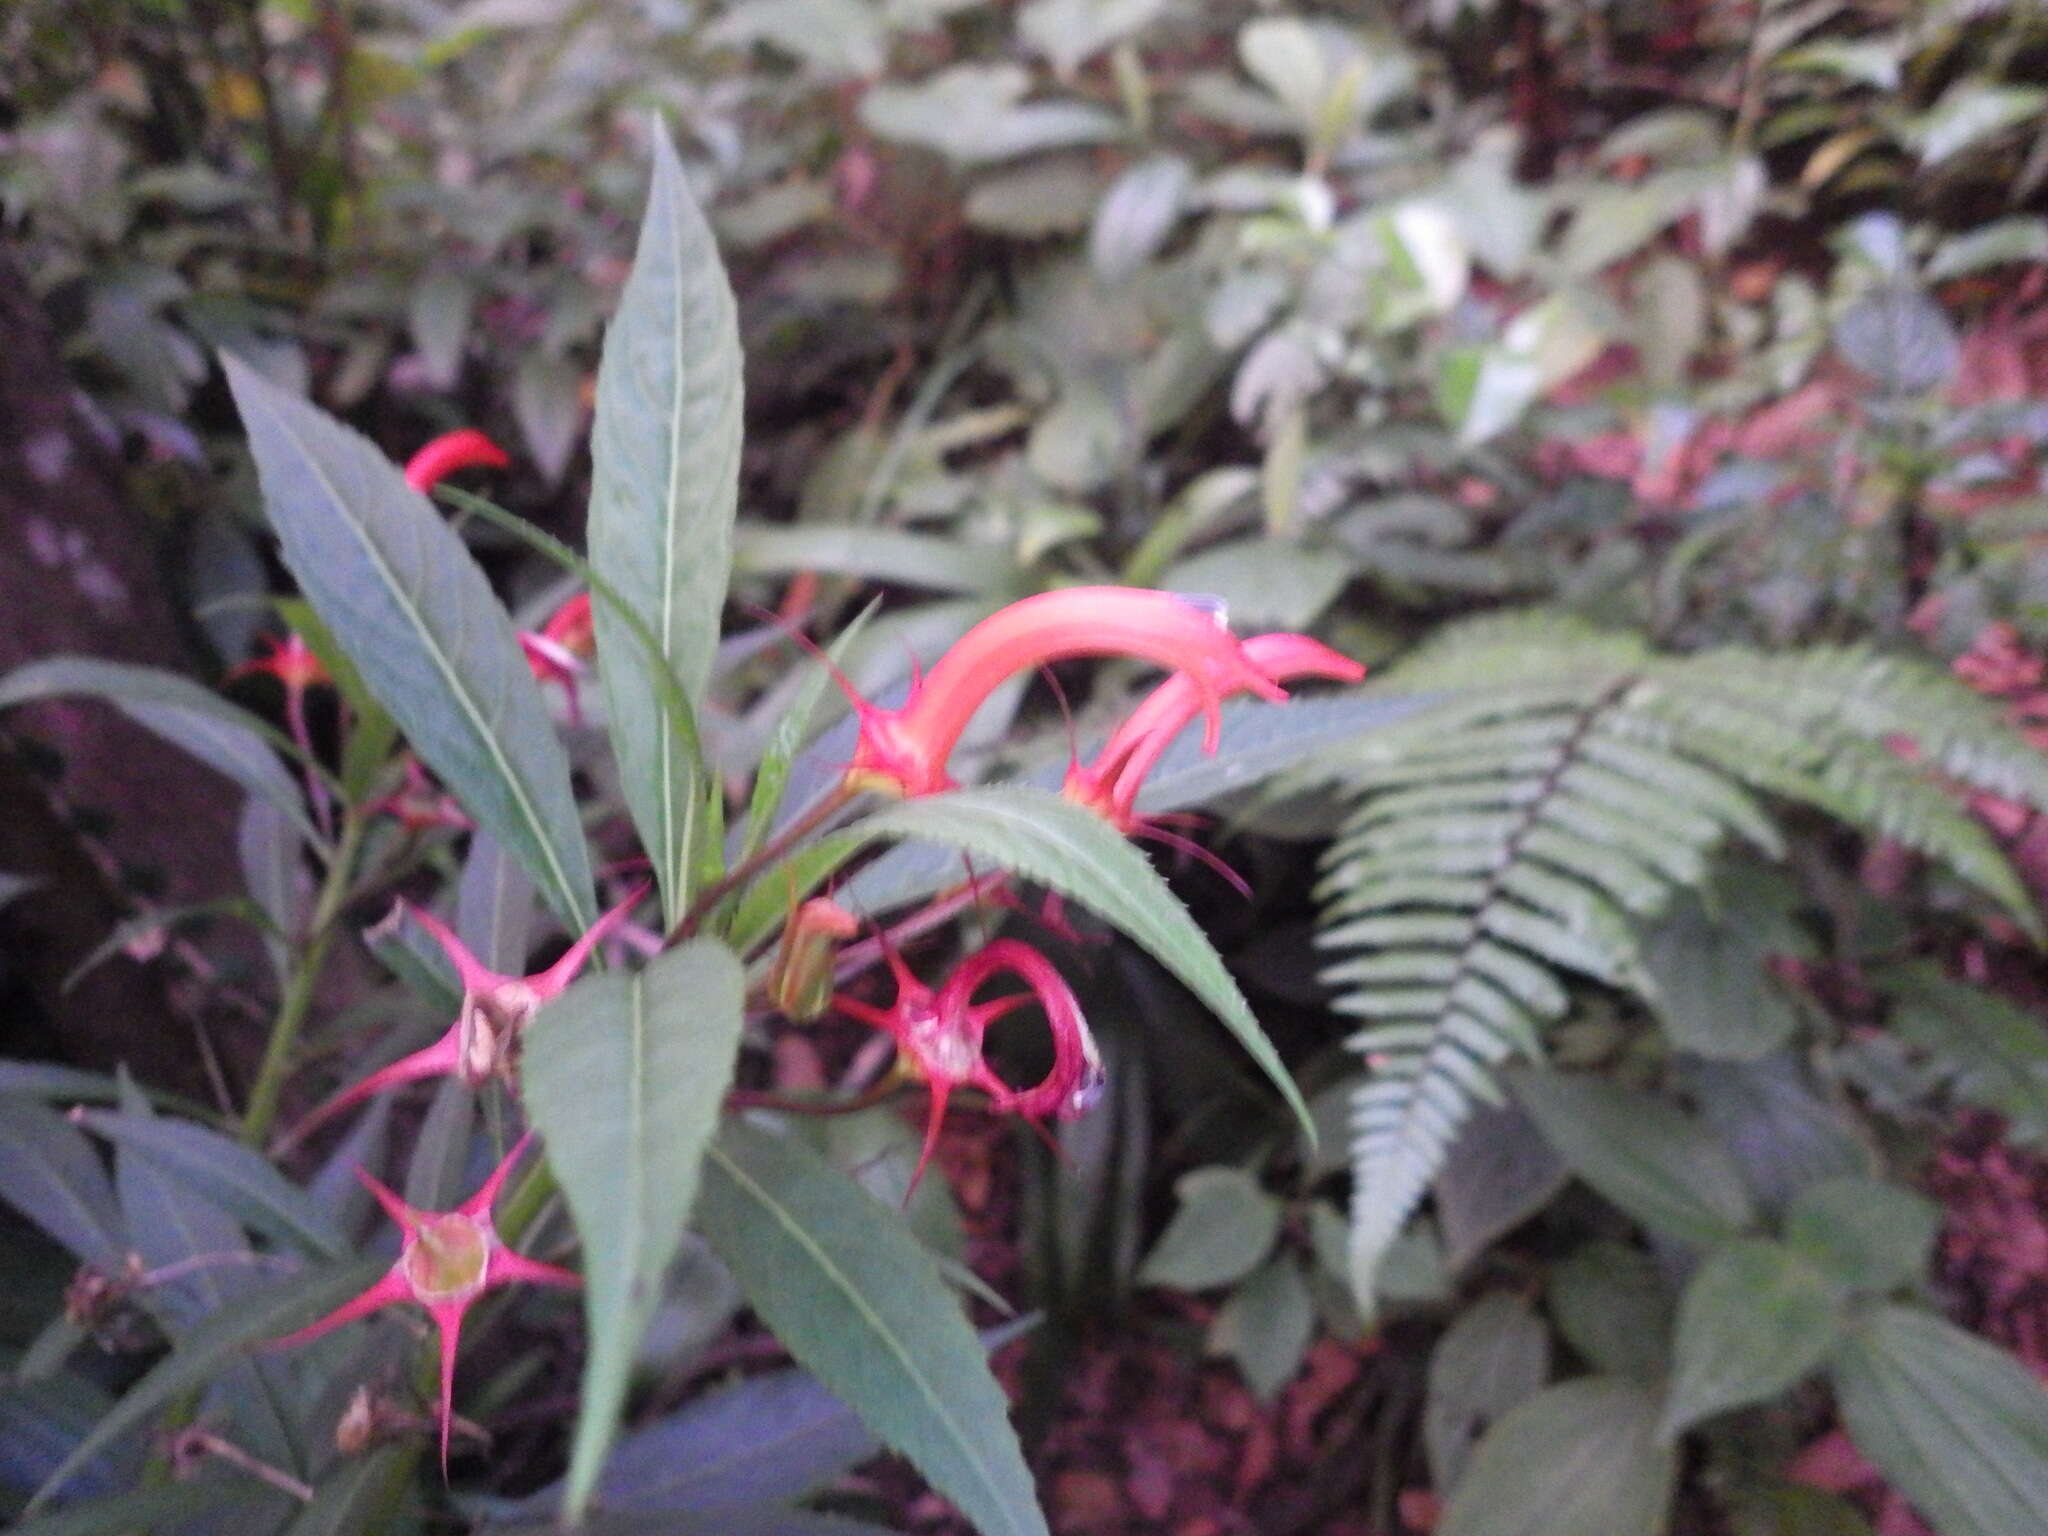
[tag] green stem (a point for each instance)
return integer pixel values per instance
(767, 855)
(297, 1000)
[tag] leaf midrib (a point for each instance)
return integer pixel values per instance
(845, 1285)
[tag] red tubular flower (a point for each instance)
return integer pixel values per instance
(447, 1260)
(444, 455)
(939, 1036)
(1110, 784)
(495, 1010)
(904, 751)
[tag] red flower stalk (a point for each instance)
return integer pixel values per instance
(298, 667)
(444, 455)
(904, 751)
(447, 1260)
(1110, 784)
(939, 1036)
(290, 660)
(558, 651)
(495, 1010)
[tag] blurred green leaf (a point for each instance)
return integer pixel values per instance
(225, 737)
(1955, 1424)
(1577, 1458)
(1265, 1325)
(1223, 1230)
(237, 1179)
(49, 1173)
(1864, 1234)
(1754, 1319)
(1649, 1157)
(1495, 1356)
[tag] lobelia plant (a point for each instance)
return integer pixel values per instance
(625, 1055)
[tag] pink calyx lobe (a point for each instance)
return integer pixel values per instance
(442, 456)
(904, 751)
(483, 1040)
(1109, 786)
(559, 651)
(446, 1259)
(940, 1035)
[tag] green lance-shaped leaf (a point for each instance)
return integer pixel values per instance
(224, 736)
(238, 1180)
(623, 1077)
(1955, 1424)
(1056, 843)
(859, 1301)
(414, 613)
(664, 450)
(48, 1173)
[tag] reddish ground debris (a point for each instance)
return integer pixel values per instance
(1148, 1438)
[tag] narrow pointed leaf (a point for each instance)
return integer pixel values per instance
(624, 1077)
(238, 1180)
(664, 484)
(1046, 839)
(858, 1300)
(48, 1173)
(413, 611)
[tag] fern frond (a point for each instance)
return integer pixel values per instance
(1565, 782)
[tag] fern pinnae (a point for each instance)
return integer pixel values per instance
(1566, 782)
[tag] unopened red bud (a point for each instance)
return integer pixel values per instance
(800, 983)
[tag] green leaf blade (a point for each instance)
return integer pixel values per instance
(1754, 1320)
(624, 1077)
(858, 1300)
(222, 735)
(1641, 1152)
(415, 614)
(665, 449)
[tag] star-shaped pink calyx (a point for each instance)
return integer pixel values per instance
(446, 1260)
(939, 1036)
(495, 1011)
